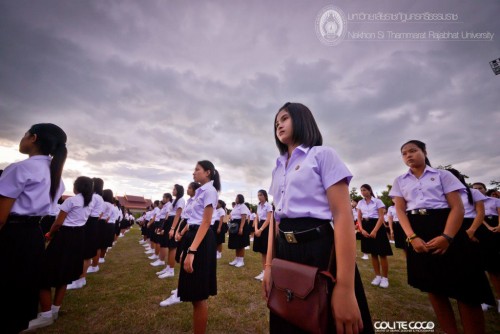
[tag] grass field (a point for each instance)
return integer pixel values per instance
(124, 297)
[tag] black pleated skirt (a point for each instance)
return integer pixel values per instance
(220, 238)
(239, 241)
(399, 236)
(102, 232)
(489, 243)
(46, 223)
(181, 244)
(457, 274)
(157, 226)
(63, 261)
(376, 246)
(202, 282)
(313, 253)
(260, 243)
(109, 235)
(21, 252)
(171, 243)
(91, 238)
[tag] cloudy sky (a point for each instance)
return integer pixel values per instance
(144, 89)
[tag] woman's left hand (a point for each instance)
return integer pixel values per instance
(346, 311)
(439, 245)
(373, 234)
(188, 263)
(257, 233)
(471, 236)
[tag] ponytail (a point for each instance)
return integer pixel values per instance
(214, 174)
(51, 140)
(461, 178)
(83, 185)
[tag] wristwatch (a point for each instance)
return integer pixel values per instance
(190, 251)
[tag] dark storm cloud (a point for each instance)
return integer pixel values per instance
(144, 90)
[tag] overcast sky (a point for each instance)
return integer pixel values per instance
(144, 89)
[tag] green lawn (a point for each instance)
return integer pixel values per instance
(124, 297)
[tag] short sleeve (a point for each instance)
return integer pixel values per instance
(332, 169)
(210, 198)
(380, 204)
(67, 205)
(477, 196)
(395, 190)
(269, 207)
(449, 182)
(13, 181)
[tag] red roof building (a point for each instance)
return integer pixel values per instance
(134, 203)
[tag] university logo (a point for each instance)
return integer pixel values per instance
(330, 25)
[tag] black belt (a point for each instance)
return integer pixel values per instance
(18, 219)
(304, 236)
(368, 219)
(491, 217)
(425, 212)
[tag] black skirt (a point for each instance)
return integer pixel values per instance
(157, 226)
(313, 253)
(171, 243)
(109, 235)
(21, 251)
(91, 238)
(238, 241)
(202, 282)
(181, 244)
(375, 246)
(489, 243)
(457, 273)
(46, 223)
(117, 228)
(63, 261)
(102, 234)
(220, 238)
(260, 243)
(399, 235)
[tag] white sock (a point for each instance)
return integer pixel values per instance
(55, 309)
(47, 314)
(240, 259)
(171, 270)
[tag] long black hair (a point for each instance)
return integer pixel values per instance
(51, 140)
(367, 187)
(420, 145)
(222, 204)
(264, 193)
(107, 196)
(180, 193)
(98, 185)
(214, 174)
(168, 196)
(305, 130)
(83, 185)
(461, 178)
(240, 199)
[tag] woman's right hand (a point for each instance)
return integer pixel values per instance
(258, 233)
(266, 283)
(365, 234)
(240, 232)
(419, 245)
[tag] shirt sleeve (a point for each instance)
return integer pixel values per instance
(449, 182)
(13, 181)
(210, 198)
(67, 205)
(380, 204)
(395, 190)
(332, 169)
(477, 196)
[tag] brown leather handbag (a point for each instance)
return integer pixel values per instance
(301, 294)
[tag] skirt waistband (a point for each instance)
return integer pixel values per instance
(24, 220)
(426, 212)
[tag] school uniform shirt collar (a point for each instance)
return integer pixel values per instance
(301, 149)
(205, 186)
(40, 157)
(428, 169)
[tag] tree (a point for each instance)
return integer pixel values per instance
(495, 184)
(354, 194)
(386, 199)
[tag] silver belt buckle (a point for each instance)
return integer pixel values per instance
(290, 237)
(422, 212)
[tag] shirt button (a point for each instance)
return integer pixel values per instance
(279, 209)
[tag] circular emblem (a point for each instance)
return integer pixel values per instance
(331, 25)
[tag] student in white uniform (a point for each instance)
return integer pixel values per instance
(489, 239)
(63, 260)
(174, 217)
(162, 235)
(261, 228)
(238, 234)
(198, 276)
(375, 241)
(156, 225)
(220, 226)
(28, 189)
(109, 214)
